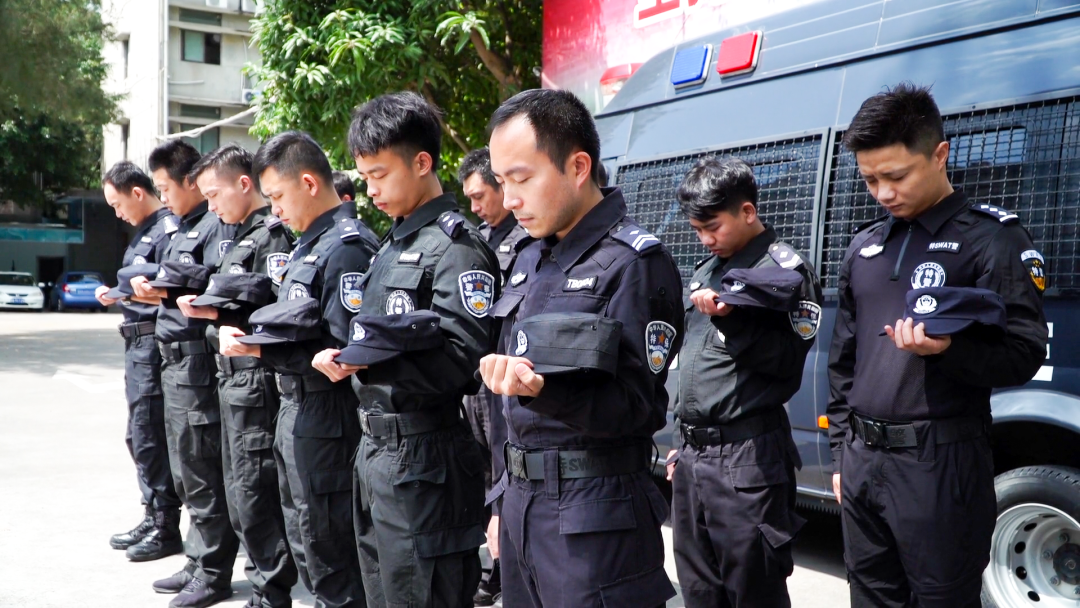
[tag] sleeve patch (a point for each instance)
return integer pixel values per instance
(1036, 265)
(659, 338)
(806, 320)
(477, 292)
(351, 295)
(275, 266)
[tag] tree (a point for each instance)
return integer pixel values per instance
(322, 58)
(42, 157)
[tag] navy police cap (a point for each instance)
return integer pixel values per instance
(563, 342)
(289, 321)
(766, 287)
(247, 288)
(124, 276)
(949, 310)
(181, 275)
(377, 338)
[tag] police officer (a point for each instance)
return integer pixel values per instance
(752, 313)
(418, 494)
(346, 191)
(317, 429)
(246, 387)
(484, 410)
(192, 413)
(604, 516)
(910, 411)
(130, 192)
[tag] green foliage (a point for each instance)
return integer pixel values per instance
(42, 157)
(322, 58)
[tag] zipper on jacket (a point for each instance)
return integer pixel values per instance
(900, 258)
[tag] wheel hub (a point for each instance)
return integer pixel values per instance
(1033, 561)
(1067, 563)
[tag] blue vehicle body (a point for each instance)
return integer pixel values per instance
(75, 289)
(1006, 74)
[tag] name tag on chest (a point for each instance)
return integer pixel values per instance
(586, 284)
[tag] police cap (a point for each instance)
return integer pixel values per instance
(246, 288)
(181, 275)
(289, 321)
(564, 342)
(124, 276)
(949, 310)
(377, 338)
(766, 287)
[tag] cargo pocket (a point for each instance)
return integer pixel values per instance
(146, 371)
(243, 396)
(759, 462)
(257, 446)
(600, 515)
(331, 504)
(776, 540)
(646, 590)
(194, 377)
(206, 433)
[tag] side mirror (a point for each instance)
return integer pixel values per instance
(41, 285)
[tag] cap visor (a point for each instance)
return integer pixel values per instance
(359, 355)
(162, 284)
(116, 294)
(736, 299)
(260, 339)
(205, 300)
(544, 370)
(946, 327)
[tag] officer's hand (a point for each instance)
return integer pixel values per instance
(836, 486)
(324, 362)
(196, 312)
(705, 301)
(493, 537)
(142, 289)
(913, 338)
(230, 347)
(671, 465)
(510, 376)
(100, 292)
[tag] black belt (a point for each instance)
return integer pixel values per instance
(134, 330)
(297, 385)
(739, 430)
(579, 463)
(231, 365)
(407, 423)
(876, 433)
(174, 351)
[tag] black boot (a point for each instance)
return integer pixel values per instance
(134, 535)
(176, 582)
(198, 594)
(164, 540)
(490, 589)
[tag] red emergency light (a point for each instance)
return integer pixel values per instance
(739, 54)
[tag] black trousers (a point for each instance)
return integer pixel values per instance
(314, 449)
(193, 431)
(733, 518)
(917, 522)
(418, 509)
(583, 542)
(145, 435)
(249, 407)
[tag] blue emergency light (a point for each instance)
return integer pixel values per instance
(690, 65)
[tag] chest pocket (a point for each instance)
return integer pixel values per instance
(403, 290)
(140, 253)
(302, 281)
(239, 260)
(507, 305)
(189, 250)
(576, 302)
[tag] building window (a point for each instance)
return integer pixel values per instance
(126, 44)
(125, 135)
(200, 111)
(200, 47)
(207, 141)
(202, 17)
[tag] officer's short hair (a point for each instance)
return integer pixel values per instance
(344, 185)
(125, 175)
(230, 159)
(906, 114)
(479, 162)
(561, 123)
(601, 176)
(716, 185)
(290, 154)
(402, 122)
(177, 157)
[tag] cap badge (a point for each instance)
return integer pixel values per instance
(358, 332)
(737, 286)
(925, 305)
(522, 343)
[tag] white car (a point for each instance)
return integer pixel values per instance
(17, 290)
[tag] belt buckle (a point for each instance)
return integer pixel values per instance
(876, 434)
(516, 461)
(688, 435)
(277, 382)
(364, 424)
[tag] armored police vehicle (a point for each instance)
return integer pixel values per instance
(779, 92)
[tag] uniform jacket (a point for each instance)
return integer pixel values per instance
(148, 247)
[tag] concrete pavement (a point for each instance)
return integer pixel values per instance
(67, 482)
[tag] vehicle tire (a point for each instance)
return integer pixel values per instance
(60, 305)
(103, 309)
(1035, 551)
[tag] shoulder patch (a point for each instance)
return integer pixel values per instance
(702, 262)
(637, 238)
(272, 221)
(871, 223)
(785, 256)
(275, 266)
(477, 292)
(451, 223)
(659, 339)
(1001, 215)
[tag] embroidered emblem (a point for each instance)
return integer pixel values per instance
(806, 320)
(477, 292)
(659, 338)
(351, 296)
(928, 274)
(399, 303)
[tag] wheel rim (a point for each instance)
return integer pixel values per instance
(1034, 558)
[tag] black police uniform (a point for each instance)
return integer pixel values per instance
(317, 428)
(591, 536)
(918, 495)
(192, 412)
(249, 403)
(733, 505)
(142, 373)
(418, 495)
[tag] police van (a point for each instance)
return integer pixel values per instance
(779, 92)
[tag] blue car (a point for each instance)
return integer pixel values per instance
(75, 289)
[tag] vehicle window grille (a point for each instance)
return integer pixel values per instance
(1024, 158)
(787, 175)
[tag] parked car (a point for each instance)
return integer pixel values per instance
(1005, 78)
(18, 291)
(75, 289)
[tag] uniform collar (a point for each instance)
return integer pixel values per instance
(423, 215)
(933, 218)
(319, 226)
(752, 252)
(152, 219)
(194, 215)
(253, 220)
(498, 233)
(596, 223)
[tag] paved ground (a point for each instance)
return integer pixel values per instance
(67, 482)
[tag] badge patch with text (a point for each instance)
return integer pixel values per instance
(1036, 265)
(399, 302)
(806, 320)
(275, 266)
(659, 338)
(351, 296)
(477, 292)
(928, 274)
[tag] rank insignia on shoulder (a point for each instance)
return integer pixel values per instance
(998, 213)
(1036, 265)
(696, 285)
(272, 221)
(348, 230)
(170, 224)
(871, 251)
(477, 292)
(659, 339)
(785, 256)
(275, 266)
(351, 295)
(806, 320)
(637, 238)
(518, 279)
(450, 223)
